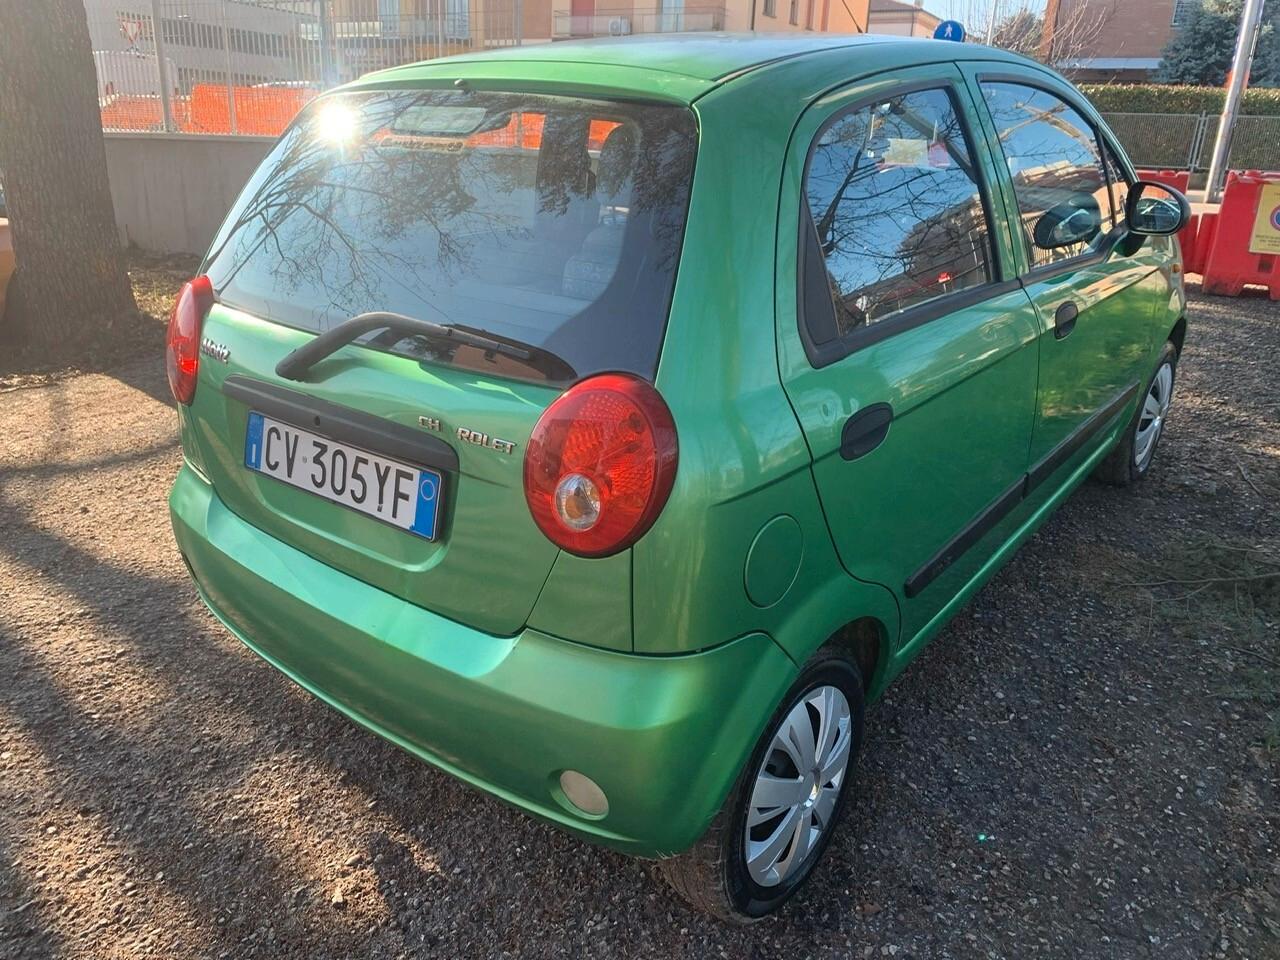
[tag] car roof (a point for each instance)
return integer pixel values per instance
(679, 67)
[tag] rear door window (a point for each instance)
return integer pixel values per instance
(549, 222)
(897, 212)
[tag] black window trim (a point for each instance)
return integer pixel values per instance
(1091, 258)
(824, 354)
(1111, 145)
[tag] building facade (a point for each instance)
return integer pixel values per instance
(1110, 40)
(442, 26)
(902, 19)
(266, 41)
(201, 40)
(594, 18)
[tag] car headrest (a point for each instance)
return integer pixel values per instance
(617, 158)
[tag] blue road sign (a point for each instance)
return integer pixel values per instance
(949, 30)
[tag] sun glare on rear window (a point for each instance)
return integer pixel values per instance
(336, 122)
(553, 223)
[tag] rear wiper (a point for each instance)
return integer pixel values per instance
(296, 364)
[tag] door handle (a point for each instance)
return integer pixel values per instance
(1064, 319)
(865, 430)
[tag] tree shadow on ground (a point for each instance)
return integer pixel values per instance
(203, 851)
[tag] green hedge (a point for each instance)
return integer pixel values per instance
(1156, 139)
(1162, 98)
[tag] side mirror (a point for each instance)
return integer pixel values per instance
(1075, 221)
(1156, 210)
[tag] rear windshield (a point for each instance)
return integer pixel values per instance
(551, 223)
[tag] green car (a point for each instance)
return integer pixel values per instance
(607, 423)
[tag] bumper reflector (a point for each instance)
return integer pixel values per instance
(584, 793)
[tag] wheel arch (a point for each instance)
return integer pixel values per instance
(866, 641)
(1178, 335)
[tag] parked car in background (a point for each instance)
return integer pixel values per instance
(607, 423)
(6, 251)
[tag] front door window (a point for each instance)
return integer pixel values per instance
(1057, 172)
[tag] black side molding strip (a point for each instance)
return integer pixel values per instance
(973, 531)
(1002, 505)
(1077, 438)
(342, 423)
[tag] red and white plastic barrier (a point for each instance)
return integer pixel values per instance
(1178, 179)
(1234, 246)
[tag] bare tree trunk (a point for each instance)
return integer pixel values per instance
(71, 286)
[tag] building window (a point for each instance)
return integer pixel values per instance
(1182, 10)
(795, 12)
(770, 8)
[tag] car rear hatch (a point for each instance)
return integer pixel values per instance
(506, 246)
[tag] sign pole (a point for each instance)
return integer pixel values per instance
(166, 98)
(231, 85)
(324, 33)
(1246, 41)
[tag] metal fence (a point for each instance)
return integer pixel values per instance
(625, 21)
(247, 66)
(1255, 144)
(1184, 141)
(1166, 140)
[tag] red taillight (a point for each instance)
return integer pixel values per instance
(600, 464)
(182, 343)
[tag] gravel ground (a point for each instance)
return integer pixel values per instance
(1080, 766)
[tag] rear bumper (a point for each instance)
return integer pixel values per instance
(663, 736)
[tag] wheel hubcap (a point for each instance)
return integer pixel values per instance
(1151, 421)
(794, 796)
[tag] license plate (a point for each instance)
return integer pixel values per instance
(403, 495)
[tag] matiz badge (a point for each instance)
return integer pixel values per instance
(216, 350)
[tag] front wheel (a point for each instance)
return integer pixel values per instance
(1132, 457)
(772, 831)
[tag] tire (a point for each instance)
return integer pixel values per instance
(714, 876)
(1132, 456)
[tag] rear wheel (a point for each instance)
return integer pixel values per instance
(778, 820)
(1132, 457)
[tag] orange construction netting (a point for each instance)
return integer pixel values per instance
(266, 111)
(262, 111)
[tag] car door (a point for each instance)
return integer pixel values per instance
(1095, 288)
(906, 344)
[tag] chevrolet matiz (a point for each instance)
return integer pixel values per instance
(606, 423)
